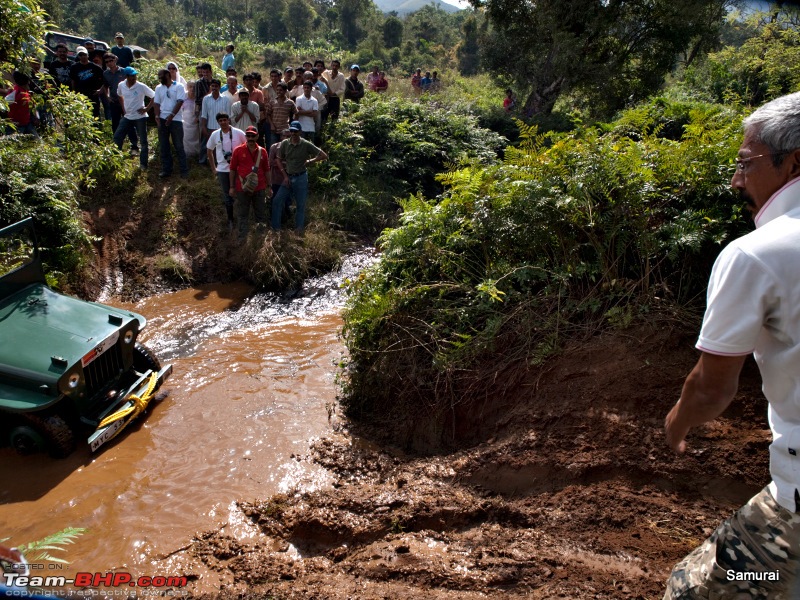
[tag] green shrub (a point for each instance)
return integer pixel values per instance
(571, 231)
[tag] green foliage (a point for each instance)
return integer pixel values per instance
(37, 181)
(405, 143)
(570, 231)
(607, 53)
(763, 67)
(469, 50)
(23, 26)
(40, 550)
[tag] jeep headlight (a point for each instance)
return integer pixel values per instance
(74, 380)
(128, 337)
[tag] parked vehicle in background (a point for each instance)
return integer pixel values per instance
(53, 38)
(67, 367)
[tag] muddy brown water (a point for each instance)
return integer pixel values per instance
(252, 386)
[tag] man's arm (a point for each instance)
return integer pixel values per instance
(707, 392)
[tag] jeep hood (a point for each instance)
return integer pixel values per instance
(37, 324)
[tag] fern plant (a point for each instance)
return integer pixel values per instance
(41, 550)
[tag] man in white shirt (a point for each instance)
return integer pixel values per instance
(169, 97)
(245, 113)
(213, 104)
(307, 110)
(132, 94)
(219, 148)
(753, 306)
(336, 87)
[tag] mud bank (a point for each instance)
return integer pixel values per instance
(574, 495)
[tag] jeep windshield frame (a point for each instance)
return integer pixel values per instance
(32, 270)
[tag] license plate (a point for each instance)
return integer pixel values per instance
(98, 440)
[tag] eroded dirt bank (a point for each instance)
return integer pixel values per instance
(574, 495)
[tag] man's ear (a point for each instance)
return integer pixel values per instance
(794, 169)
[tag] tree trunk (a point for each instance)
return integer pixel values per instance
(542, 99)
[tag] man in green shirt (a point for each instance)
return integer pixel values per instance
(294, 157)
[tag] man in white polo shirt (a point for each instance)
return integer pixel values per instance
(132, 94)
(169, 98)
(753, 306)
(220, 146)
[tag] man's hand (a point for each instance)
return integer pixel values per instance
(707, 392)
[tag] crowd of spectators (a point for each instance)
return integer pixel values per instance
(208, 119)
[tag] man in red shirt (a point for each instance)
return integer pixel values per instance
(21, 110)
(246, 159)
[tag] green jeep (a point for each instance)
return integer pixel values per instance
(67, 367)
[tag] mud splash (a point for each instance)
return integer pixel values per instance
(253, 384)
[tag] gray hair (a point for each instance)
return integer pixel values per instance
(777, 125)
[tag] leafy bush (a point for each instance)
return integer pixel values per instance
(407, 143)
(570, 232)
(765, 66)
(36, 181)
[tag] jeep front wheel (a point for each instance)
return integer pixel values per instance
(144, 359)
(36, 433)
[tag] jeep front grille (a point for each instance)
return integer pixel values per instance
(103, 370)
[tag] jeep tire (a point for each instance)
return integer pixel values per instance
(144, 359)
(32, 429)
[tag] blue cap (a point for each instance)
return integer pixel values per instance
(295, 126)
(130, 71)
(356, 67)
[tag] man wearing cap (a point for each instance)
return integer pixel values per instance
(245, 113)
(288, 78)
(250, 158)
(121, 51)
(307, 110)
(60, 66)
(295, 156)
(87, 79)
(131, 95)
(354, 89)
(223, 141)
(336, 86)
(169, 98)
(113, 76)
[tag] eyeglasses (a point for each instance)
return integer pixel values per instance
(742, 164)
(111, 60)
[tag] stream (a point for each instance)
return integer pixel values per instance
(252, 386)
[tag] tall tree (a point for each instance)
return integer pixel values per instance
(468, 51)
(611, 51)
(392, 31)
(300, 18)
(352, 16)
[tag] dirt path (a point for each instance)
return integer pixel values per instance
(574, 496)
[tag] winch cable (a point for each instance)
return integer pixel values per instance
(139, 405)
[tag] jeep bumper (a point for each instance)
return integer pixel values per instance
(103, 434)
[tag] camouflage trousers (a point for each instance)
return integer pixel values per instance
(754, 555)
